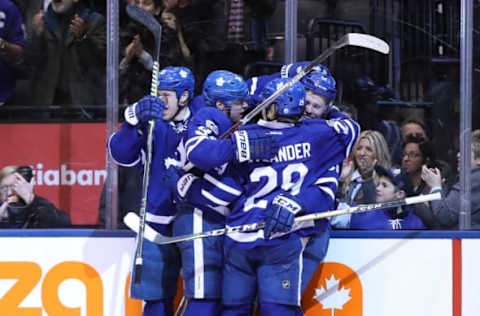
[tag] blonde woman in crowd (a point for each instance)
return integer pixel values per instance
(358, 172)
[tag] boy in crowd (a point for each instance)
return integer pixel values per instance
(390, 187)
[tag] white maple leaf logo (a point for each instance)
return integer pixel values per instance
(331, 297)
(220, 81)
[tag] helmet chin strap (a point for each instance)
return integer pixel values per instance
(182, 112)
(287, 119)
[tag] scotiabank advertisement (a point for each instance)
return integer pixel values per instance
(68, 161)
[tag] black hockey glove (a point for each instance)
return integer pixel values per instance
(254, 146)
(280, 215)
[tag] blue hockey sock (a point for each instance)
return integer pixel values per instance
(271, 309)
(237, 310)
(203, 307)
(158, 308)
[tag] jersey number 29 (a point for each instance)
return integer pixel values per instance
(274, 177)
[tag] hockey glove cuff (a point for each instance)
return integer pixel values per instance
(147, 108)
(184, 184)
(280, 216)
(254, 146)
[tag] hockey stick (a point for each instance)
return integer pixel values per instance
(150, 22)
(131, 220)
(349, 39)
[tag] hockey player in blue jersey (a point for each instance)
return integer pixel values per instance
(224, 94)
(268, 263)
(171, 112)
(321, 91)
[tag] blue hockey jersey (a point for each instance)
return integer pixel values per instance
(128, 148)
(210, 154)
(203, 148)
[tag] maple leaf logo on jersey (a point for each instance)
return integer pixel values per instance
(220, 81)
(180, 157)
(396, 223)
(331, 297)
(183, 73)
(179, 127)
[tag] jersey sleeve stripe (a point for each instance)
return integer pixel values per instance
(118, 162)
(152, 218)
(354, 129)
(327, 180)
(246, 237)
(212, 198)
(327, 190)
(253, 87)
(199, 267)
(221, 185)
(193, 142)
(225, 211)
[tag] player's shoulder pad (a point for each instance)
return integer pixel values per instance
(212, 116)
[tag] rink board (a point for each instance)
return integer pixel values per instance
(86, 273)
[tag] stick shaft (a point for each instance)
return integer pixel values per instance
(149, 21)
(131, 220)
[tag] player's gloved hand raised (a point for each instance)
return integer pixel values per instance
(280, 215)
(147, 108)
(254, 146)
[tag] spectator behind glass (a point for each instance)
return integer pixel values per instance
(137, 45)
(261, 11)
(396, 136)
(21, 207)
(358, 173)
(178, 43)
(412, 127)
(129, 195)
(417, 152)
(12, 42)
(67, 51)
(446, 210)
(390, 187)
(391, 131)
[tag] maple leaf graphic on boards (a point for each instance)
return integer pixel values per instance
(331, 297)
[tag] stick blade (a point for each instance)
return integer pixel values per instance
(145, 18)
(367, 41)
(132, 221)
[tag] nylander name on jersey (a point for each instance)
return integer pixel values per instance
(293, 152)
